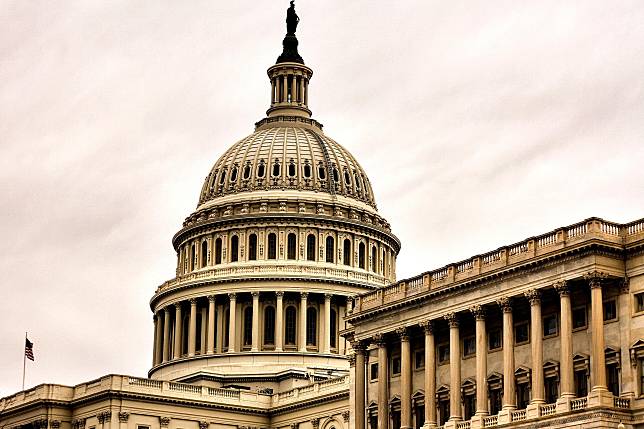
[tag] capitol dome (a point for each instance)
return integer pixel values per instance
(286, 232)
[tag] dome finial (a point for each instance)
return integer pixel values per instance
(290, 54)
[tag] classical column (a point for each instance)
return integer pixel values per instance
(430, 374)
(192, 332)
(232, 343)
(255, 333)
(166, 333)
(219, 330)
(454, 367)
(302, 329)
(598, 359)
(157, 338)
(285, 88)
(509, 396)
(565, 355)
(405, 379)
(279, 321)
(177, 330)
(359, 386)
(306, 91)
(536, 328)
(383, 382)
(481, 361)
(272, 91)
(327, 323)
(210, 349)
(202, 334)
(301, 99)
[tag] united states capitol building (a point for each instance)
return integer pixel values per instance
(285, 311)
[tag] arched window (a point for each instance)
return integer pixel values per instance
(233, 174)
(248, 326)
(247, 172)
(276, 169)
(234, 249)
(269, 325)
(310, 247)
(347, 178)
(291, 169)
(290, 325)
(321, 172)
(333, 321)
(357, 180)
(347, 252)
(192, 257)
(261, 169)
(292, 246)
(307, 171)
(218, 251)
(222, 178)
(311, 326)
(374, 259)
(361, 255)
(272, 246)
(336, 175)
(252, 247)
(204, 253)
(330, 249)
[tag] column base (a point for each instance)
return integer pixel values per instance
(505, 416)
(477, 421)
(428, 425)
(533, 410)
(254, 349)
(451, 424)
(600, 397)
(563, 404)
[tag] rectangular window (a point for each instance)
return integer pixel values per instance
(550, 325)
(639, 302)
(523, 396)
(641, 365)
(610, 310)
(443, 353)
(581, 384)
(137, 427)
(469, 346)
(495, 401)
(579, 319)
(395, 365)
(373, 372)
(612, 379)
(443, 411)
(551, 389)
(521, 333)
(494, 339)
(419, 359)
(469, 406)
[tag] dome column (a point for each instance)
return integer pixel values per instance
(327, 324)
(210, 349)
(255, 333)
(232, 347)
(279, 321)
(166, 334)
(177, 330)
(303, 307)
(192, 332)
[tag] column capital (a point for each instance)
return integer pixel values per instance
(624, 285)
(534, 296)
(595, 278)
(352, 360)
(452, 319)
(304, 295)
(193, 301)
(359, 347)
(166, 309)
(232, 295)
(177, 305)
(562, 288)
(505, 303)
(328, 296)
(428, 326)
(478, 312)
(255, 294)
(155, 318)
(212, 298)
(379, 340)
(403, 334)
(279, 294)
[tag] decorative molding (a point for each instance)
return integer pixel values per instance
(78, 423)
(345, 416)
(203, 424)
(232, 295)
(625, 286)
(304, 295)
(104, 417)
(352, 360)
(315, 423)
(279, 294)
(534, 296)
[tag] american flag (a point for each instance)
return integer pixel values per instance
(29, 349)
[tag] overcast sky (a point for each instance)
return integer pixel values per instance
(479, 123)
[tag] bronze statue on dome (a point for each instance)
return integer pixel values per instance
(291, 19)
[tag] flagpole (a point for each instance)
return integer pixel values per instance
(24, 363)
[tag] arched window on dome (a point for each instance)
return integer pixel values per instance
(361, 255)
(336, 175)
(310, 247)
(234, 248)
(222, 178)
(276, 169)
(193, 256)
(330, 249)
(252, 247)
(333, 321)
(357, 180)
(291, 169)
(366, 185)
(233, 174)
(269, 325)
(218, 252)
(272, 246)
(291, 246)
(374, 259)
(347, 178)
(290, 325)
(321, 172)
(307, 170)
(248, 326)
(311, 326)
(204, 253)
(346, 252)
(247, 170)
(261, 169)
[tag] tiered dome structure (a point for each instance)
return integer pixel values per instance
(286, 231)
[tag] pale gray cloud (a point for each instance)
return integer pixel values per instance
(479, 124)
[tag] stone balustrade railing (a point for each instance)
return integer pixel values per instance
(176, 391)
(534, 247)
(249, 270)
